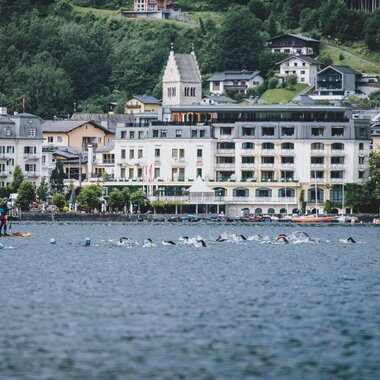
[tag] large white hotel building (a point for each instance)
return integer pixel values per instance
(254, 159)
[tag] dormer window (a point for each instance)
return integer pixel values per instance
(7, 132)
(31, 132)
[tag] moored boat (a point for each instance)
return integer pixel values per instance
(313, 219)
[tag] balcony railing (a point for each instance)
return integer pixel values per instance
(31, 174)
(247, 152)
(31, 156)
(317, 152)
(225, 152)
(224, 165)
(337, 166)
(318, 166)
(338, 152)
(337, 180)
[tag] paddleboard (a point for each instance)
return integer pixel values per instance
(17, 235)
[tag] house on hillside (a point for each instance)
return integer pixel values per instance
(303, 66)
(75, 133)
(239, 81)
(106, 120)
(159, 9)
(335, 82)
(217, 99)
(293, 44)
(141, 103)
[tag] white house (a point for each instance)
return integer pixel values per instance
(303, 66)
(20, 144)
(239, 81)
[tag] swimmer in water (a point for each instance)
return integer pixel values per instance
(168, 242)
(200, 243)
(148, 243)
(283, 237)
(240, 237)
(351, 240)
(221, 238)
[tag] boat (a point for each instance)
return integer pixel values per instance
(313, 219)
(376, 221)
(17, 235)
(346, 219)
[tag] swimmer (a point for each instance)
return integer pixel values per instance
(239, 237)
(168, 242)
(221, 238)
(148, 243)
(283, 237)
(200, 243)
(351, 240)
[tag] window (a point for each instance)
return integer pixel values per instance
(295, 64)
(194, 133)
(140, 153)
(178, 133)
(50, 139)
(267, 146)
(99, 140)
(337, 131)
(31, 132)
(30, 150)
(287, 131)
(248, 160)
(338, 160)
(30, 167)
(337, 146)
(141, 135)
(302, 79)
(7, 132)
(131, 154)
(156, 172)
(199, 153)
(317, 146)
(199, 172)
(157, 152)
(123, 156)
(131, 135)
(226, 131)
(336, 174)
(267, 160)
(163, 133)
(361, 146)
(174, 153)
(317, 160)
(287, 146)
(361, 174)
(263, 193)
(287, 160)
(248, 131)
(59, 139)
(267, 131)
(202, 133)
(248, 145)
(302, 71)
(316, 174)
(10, 149)
(155, 132)
(317, 131)
(361, 160)
(182, 153)
(123, 134)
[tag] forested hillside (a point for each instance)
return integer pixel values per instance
(56, 55)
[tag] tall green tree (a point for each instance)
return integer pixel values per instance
(57, 177)
(89, 197)
(139, 198)
(26, 195)
(43, 189)
(240, 41)
(18, 178)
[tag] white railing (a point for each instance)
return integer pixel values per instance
(337, 166)
(267, 166)
(249, 152)
(337, 180)
(250, 166)
(224, 165)
(317, 180)
(338, 152)
(317, 152)
(266, 152)
(31, 156)
(318, 166)
(287, 151)
(225, 152)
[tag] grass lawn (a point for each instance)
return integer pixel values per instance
(353, 57)
(281, 95)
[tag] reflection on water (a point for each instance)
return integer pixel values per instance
(236, 309)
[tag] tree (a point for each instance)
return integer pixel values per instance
(273, 83)
(139, 198)
(89, 197)
(240, 43)
(119, 199)
(325, 58)
(354, 196)
(59, 200)
(18, 178)
(26, 195)
(57, 177)
(291, 81)
(42, 189)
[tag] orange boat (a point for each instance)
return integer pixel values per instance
(313, 219)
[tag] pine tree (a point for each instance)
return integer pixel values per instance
(57, 177)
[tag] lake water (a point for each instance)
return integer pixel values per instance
(228, 311)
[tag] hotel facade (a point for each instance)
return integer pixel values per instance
(256, 159)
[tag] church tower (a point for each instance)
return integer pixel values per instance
(182, 82)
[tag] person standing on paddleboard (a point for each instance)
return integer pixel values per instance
(4, 209)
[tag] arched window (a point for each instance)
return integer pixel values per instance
(258, 211)
(268, 145)
(311, 195)
(336, 194)
(337, 146)
(248, 145)
(295, 211)
(286, 193)
(271, 211)
(283, 211)
(287, 145)
(241, 192)
(220, 191)
(192, 91)
(317, 146)
(245, 211)
(263, 192)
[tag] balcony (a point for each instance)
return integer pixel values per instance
(133, 106)
(337, 166)
(178, 161)
(247, 152)
(287, 165)
(267, 166)
(363, 152)
(226, 137)
(320, 181)
(225, 165)
(338, 152)
(266, 152)
(5, 156)
(317, 166)
(31, 156)
(287, 152)
(248, 165)
(225, 152)
(337, 180)
(31, 174)
(5, 174)
(317, 152)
